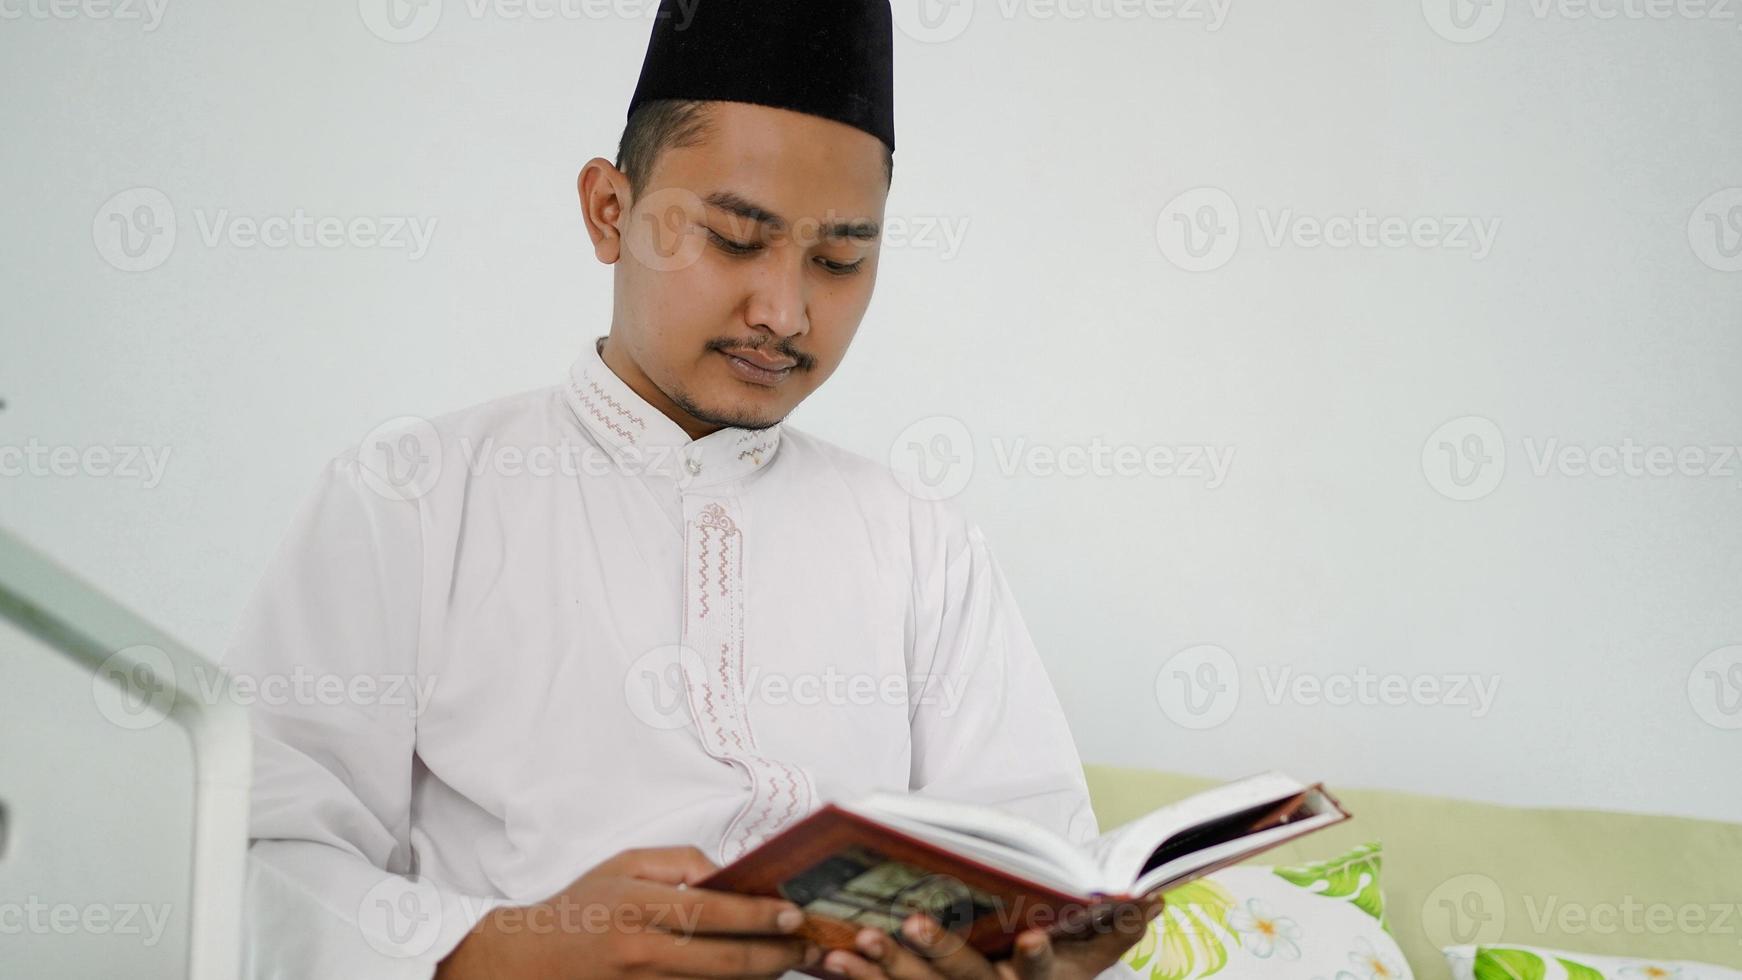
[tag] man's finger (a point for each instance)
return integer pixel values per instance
(852, 966)
(892, 959)
(703, 956)
(1109, 941)
(670, 865)
(696, 911)
(1125, 919)
(946, 952)
(927, 955)
(1033, 957)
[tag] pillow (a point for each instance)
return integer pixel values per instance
(1324, 920)
(1535, 963)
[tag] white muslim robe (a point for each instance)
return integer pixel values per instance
(500, 646)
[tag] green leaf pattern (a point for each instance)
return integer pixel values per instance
(1188, 941)
(1353, 877)
(1513, 963)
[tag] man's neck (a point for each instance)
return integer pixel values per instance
(631, 374)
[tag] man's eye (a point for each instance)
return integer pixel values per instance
(736, 248)
(841, 268)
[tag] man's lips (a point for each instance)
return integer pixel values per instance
(761, 360)
(750, 370)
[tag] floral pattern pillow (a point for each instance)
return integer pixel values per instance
(1323, 921)
(1534, 963)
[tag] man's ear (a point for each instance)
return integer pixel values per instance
(605, 203)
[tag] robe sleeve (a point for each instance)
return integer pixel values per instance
(987, 726)
(331, 889)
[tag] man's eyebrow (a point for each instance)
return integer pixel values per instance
(864, 229)
(728, 201)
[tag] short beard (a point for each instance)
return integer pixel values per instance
(683, 401)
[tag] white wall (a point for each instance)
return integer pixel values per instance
(1057, 149)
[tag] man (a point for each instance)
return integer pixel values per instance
(598, 662)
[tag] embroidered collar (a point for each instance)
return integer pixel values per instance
(639, 437)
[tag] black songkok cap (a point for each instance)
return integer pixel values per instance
(829, 58)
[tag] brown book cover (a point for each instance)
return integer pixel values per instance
(848, 872)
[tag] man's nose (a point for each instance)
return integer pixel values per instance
(780, 298)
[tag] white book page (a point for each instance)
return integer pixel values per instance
(995, 837)
(1122, 852)
(1180, 867)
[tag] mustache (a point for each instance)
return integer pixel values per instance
(803, 361)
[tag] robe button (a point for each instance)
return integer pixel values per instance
(695, 466)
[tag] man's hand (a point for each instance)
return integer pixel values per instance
(939, 955)
(628, 917)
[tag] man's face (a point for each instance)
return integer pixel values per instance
(748, 262)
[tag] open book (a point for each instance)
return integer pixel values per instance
(988, 875)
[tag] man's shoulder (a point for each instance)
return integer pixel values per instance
(814, 448)
(444, 441)
(874, 482)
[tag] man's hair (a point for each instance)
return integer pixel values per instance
(661, 124)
